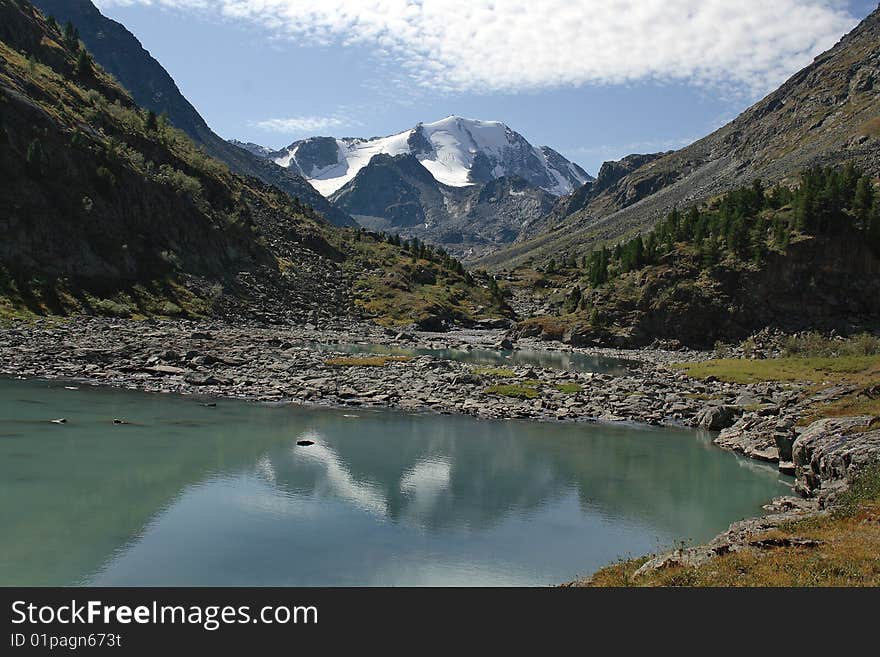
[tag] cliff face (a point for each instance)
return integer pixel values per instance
(120, 53)
(826, 114)
(819, 283)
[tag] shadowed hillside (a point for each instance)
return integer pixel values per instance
(108, 209)
(120, 53)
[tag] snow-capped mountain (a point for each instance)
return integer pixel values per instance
(457, 152)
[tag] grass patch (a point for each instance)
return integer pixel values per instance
(401, 290)
(871, 127)
(862, 402)
(856, 368)
(513, 390)
(568, 388)
(864, 490)
(497, 372)
(365, 361)
(702, 396)
(842, 369)
(846, 554)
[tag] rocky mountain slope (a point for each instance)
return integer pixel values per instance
(120, 53)
(465, 184)
(397, 194)
(107, 209)
(826, 114)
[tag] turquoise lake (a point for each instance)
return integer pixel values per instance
(187, 494)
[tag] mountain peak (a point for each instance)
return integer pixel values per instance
(457, 151)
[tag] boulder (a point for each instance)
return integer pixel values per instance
(832, 451)
(752, 435)
(784, 436)
(716, 418)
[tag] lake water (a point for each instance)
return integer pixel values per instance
(559, 360)
(194, 495)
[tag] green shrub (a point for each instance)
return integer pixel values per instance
(179, 181)
(112, 308)
(813, 344)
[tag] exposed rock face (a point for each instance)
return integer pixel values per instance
(714, 418)
(612, 173)
(120, 53)
(826, 114)
(769, 430)
(831, 451)
(755, 436)
(397, 194)
(398, 190)
(820, 283)
(823, 456)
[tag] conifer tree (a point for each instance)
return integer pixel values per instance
(84, 66)
(152, 125)
(863, 201)
(573, 300)
(71, 35)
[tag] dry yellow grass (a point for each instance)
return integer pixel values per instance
(862, 402)
(871, 127)
(847, 555)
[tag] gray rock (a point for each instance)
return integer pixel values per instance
(834, 450)
(716, 417)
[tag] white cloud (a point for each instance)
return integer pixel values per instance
(514, 45)
(302, 124)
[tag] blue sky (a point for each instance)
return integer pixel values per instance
(594, 80)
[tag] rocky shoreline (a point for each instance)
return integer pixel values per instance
(268, 363)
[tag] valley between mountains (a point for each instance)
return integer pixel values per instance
(732, 286)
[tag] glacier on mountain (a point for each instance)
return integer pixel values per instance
(457, 152)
